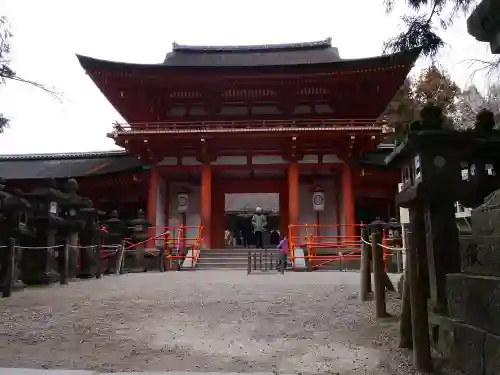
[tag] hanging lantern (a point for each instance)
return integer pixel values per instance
(182, 201)
(318, 198)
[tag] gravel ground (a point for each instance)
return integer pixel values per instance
(306, 323)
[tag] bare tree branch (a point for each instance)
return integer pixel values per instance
(55, 94)
(7, 73)
(489, 67)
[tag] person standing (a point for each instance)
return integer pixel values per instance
(259, 222)
(283, 259)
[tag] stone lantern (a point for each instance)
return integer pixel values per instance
(116, 230)
(75, 222)
(38, 264)
(377, 226)
(484, 24)
(89, 235)
(14, 213)
(139, 227)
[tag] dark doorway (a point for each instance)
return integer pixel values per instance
(240, 226)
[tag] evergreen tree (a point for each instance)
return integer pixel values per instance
(402, 110)
(421, 21)
(435, 86)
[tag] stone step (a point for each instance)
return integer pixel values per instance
(214, 261)
(475, 300)
(221, 265)
(473, 350)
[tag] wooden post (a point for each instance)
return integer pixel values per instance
(168, 260)
(366, 282)
(265, 260)
(10, 266)
(206, 204)
(255, 261)
(442, 249)
(378, 276)
(418, 302)
(98, 271)
(162, 259)
(151, 203)
(119, 260)
(405, 329)
(249, 268)
(63, 277)
(260, 259)
(349, 200)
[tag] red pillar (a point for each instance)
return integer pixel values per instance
(293, 194)
(152, 202)
(206, 204)
(349, 204)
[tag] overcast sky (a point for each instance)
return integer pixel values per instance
(48, 34)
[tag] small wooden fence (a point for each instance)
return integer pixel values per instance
(263, 260)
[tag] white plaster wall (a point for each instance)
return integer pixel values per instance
(328, 217)
(193, 214)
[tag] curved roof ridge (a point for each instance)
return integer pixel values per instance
(325, 43)
(63, 155)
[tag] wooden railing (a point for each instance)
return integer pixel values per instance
(185, 127)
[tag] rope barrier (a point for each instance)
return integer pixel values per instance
(104, 247)
(81, 247)
(3, 247)
(385, 247)
(39, 247)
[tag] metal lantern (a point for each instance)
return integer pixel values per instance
(318, 199)
(182, 201)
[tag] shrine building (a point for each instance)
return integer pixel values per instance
(208, 122)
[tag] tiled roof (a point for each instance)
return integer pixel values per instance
(253, 55)
(252, 48)
(40, 166)
(63, 155)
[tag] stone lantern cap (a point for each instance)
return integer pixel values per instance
(462, 144)
(484, 23)
(378, 225)
(394, 224)
(140, 223)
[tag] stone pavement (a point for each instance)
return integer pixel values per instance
(210, 322)
(26, 371)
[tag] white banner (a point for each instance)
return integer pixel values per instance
(182, 202)
(318, 200)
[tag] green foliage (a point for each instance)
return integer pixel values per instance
(427, 102)
(421, 20)
(435, 86)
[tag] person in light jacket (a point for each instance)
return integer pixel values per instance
(259, 222)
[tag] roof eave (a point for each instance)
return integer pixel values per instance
(90, 63)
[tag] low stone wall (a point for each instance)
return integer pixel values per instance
(470, 335)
